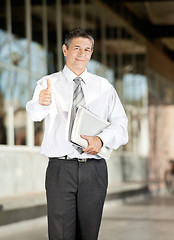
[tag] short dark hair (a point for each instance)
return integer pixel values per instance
(78, 32)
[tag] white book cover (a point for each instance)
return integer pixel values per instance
(87, 123)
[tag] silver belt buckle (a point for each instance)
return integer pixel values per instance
(82, 160)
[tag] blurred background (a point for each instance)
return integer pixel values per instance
(134, 50)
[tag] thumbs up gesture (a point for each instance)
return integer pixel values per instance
(45, 95)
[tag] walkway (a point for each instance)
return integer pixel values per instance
(137, 220)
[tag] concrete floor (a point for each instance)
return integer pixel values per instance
(152, 219)
(148, 219)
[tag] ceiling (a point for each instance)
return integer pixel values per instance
(152, 20)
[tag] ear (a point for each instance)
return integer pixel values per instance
(64, 49)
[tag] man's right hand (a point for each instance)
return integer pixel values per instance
(45, 95)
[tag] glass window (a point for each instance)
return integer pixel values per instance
(135, 94)
(18, 18)
(135, 88)
(38, 59)
(160, 88)
(38, 52)
(4, 39)
(19, 45)
(97, 68)
(14, 92)
(20, 126)
(18, 78)
(38, 126)
(52, 38)
(38, 133)
(3, 15)
(3, 129)
(37, 21)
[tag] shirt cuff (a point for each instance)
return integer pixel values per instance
(102, 137)
(44, 108)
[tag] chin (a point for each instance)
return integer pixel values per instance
(81, 66)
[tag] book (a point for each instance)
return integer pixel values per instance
(87, 123)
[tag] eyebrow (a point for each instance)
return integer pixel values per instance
(85, 47)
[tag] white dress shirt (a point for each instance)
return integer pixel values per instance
(101, 98)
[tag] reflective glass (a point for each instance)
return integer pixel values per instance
(4, 47)
(135, 88)
(14, 92)
(38, 126)
(98, 68)
(19, 45)
(38, 133)
(3, 129)
(160, 87)
(38, 59)
(4, 37)
(3, 15)
(19, 96)
(38, 52)
(52, 38)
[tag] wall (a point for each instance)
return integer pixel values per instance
(127, 168)
(22, 170)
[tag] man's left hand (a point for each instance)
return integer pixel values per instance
(94, 144)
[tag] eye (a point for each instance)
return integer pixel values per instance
(76, 48)
(88, 50)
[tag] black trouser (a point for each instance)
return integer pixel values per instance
(75, 196)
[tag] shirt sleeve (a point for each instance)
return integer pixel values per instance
(36, 111)
(116, 133)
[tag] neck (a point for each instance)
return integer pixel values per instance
(76, 71)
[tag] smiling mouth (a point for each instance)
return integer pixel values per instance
(79, 59)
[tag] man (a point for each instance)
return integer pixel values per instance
(76, 183)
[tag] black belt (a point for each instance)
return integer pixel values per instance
(74, 159)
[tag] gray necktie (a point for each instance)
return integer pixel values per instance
(78, 100)
(78, 96)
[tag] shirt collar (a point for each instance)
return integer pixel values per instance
(70, 75)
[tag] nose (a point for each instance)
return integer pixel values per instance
(82, 52)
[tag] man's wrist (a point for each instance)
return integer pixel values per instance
(100, 140)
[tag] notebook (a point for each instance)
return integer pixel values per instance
(87, 123)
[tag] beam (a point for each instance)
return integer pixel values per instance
(153, 53)
(160, 31)
(118, 15)
(137, 1)
(139, 27)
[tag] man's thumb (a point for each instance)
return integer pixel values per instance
(84, 137)
(48, 84)
(87, 138)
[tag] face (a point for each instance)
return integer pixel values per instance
(78, 54)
